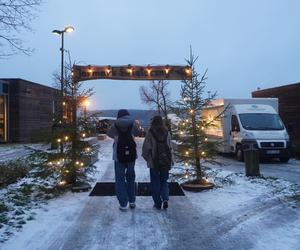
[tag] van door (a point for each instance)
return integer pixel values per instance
(234, 132)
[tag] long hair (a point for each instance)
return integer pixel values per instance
(158, 126)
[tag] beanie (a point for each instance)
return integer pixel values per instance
(122, 112)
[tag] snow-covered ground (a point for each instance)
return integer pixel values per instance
(241, 213)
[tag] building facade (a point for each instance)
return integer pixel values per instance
(289, 106)
(26, 109)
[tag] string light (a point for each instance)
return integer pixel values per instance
(191, 111)
(186, 175)
(167, 70)
(66, 138)
(59, 140)
(187, 152)
(203, 153)
(81, 164)
(129, 69)
(181, 132)
(83, 135)
(149, 70)
(77, 162)
(62, 183)
(206, 139)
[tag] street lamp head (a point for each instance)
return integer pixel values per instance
(57, 32)
(86, 103)
(69, 29)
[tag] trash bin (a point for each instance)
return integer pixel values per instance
(251, 157)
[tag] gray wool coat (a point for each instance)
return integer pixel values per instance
(149, 148)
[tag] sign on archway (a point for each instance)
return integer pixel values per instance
(131, 72)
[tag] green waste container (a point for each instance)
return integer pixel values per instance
(251, 157)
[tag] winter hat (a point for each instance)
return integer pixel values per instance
(122, 112)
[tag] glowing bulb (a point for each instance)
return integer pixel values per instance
(203, 153)
(83, 135)
(129, 69)
(62, 183)
(64, 103)
(148, 70)
(58, 140)
(188, 71)
(81, 164)
(186, 152)
(206, 139)
(191, 111)
(167, 70)
(66, 138)
(108, 70)
(202, 128)
(77, 162)
(181, 132)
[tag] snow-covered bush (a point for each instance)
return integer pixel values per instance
(12, 171)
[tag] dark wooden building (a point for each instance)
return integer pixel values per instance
(26, 109)
(289, 106)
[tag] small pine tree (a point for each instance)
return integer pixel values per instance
(72, 158)
(194, 148)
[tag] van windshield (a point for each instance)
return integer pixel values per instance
(261, 121)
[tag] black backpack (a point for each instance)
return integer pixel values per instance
(126, 146)
(163, 155)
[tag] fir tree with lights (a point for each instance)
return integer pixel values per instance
(71, 160)
(193, 147)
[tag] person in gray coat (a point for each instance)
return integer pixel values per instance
(124, 155)
(157, 152)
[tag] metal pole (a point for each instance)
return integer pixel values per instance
(62, 74)
(62, 86)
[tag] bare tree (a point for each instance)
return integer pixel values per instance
(15, 17)
(157, 96)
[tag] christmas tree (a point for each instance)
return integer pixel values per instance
(193, 146)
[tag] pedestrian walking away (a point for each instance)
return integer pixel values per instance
(157, 152)
(124, 156)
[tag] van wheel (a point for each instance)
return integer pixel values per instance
(284, 159)
(239, 153)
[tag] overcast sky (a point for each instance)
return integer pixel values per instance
(244, 44)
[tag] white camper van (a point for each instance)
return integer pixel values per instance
(255, 121)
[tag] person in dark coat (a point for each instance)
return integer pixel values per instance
(158, 176)
(124, 171)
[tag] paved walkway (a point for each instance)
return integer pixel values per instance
(99, 224)
(183, 226)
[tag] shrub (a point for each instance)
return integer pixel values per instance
(12, 171)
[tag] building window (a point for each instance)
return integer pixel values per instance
(4, 88)
(3, 118)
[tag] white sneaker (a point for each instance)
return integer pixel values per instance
(123, 209)
(132, 205)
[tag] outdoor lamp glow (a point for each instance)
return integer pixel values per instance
(86, 103)
(69, 29)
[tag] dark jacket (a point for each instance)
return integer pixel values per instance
(149, 146)
(123, 123)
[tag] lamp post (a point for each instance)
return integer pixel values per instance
(67, 29)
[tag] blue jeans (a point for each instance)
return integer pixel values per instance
(159, 185)
(125, 182)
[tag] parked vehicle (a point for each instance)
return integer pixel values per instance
(255, 121)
